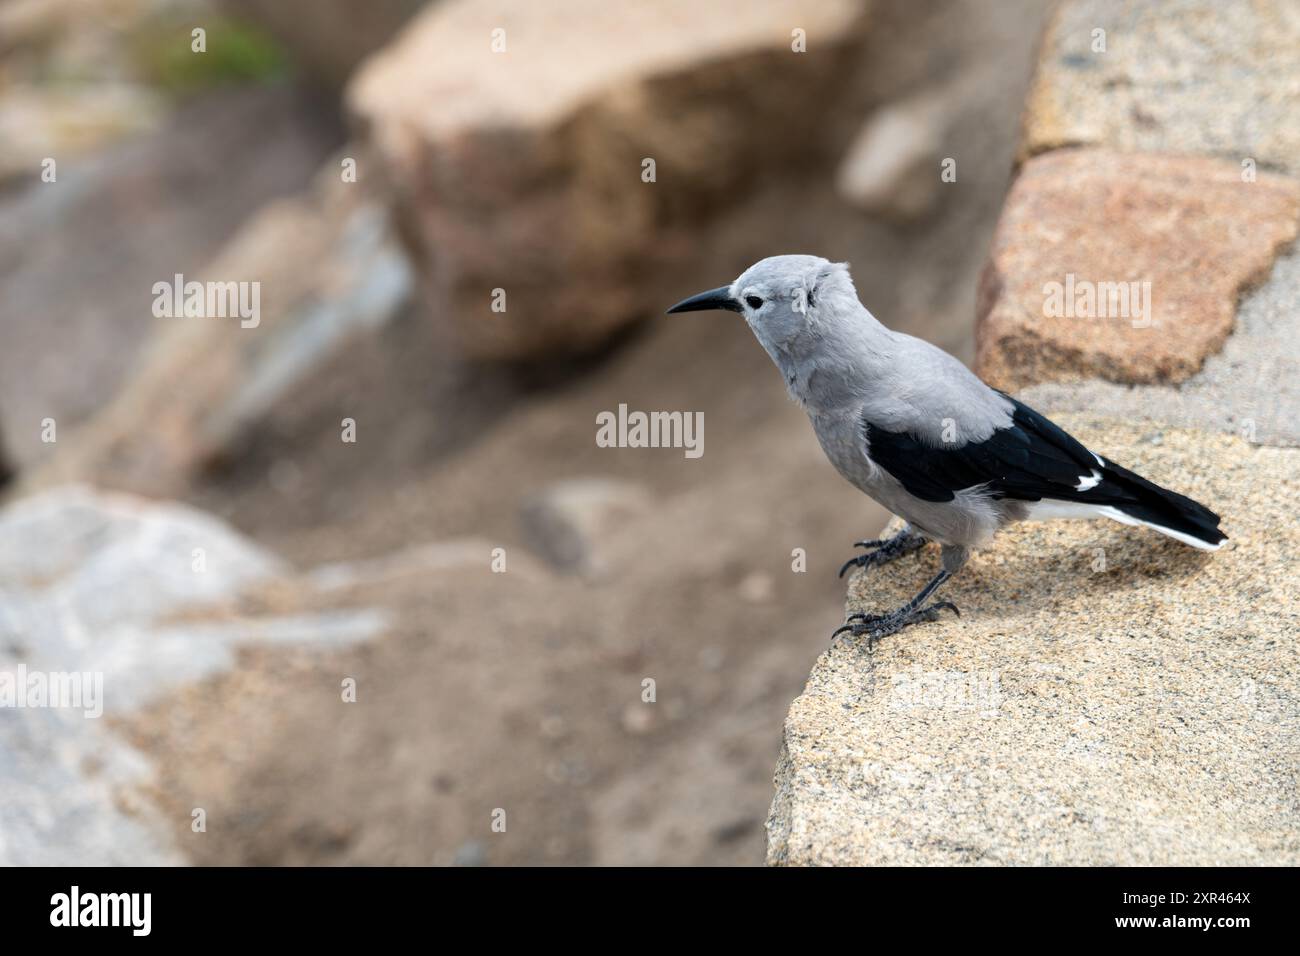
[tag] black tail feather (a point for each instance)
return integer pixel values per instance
(1146, 501)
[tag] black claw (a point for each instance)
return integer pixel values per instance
(883, 550)
(931, 611)
(876, 626)
(861, 617)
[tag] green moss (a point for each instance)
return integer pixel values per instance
(237, 53)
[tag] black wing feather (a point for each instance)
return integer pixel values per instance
(1030, 459)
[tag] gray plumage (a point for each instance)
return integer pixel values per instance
(916, 430)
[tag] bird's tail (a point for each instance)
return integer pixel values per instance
(1134, 500)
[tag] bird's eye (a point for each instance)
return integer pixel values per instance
(754, 302)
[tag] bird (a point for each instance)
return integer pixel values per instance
(919, 432)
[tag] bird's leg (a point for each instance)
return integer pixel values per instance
(884, 550)
(876, 626)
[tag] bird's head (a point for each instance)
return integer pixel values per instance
(783, 298)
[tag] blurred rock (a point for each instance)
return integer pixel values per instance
(1176, 76)
(83, 579)
(28, 23)
(328, 269)
(638, 718)
(571, 523)
(131, 215)
(74, 77)
(1092, 220)
(61, 124)
(81, 547)
(130, 594)
(758, 587)
(328, 37)
(416, 560)
(892, 167)
(1144, 714)
(527, 176)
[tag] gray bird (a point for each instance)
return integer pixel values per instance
(912, 427)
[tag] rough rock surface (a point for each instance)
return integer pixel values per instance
(1250, 389)
(1177, 76)
(1190, 227)
(1083, 710)
(522, 169)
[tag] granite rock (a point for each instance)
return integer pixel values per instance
(1250, 389)
(1176, 76)
(1108, 697)
(1124, 266)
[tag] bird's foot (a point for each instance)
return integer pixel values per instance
(876, 626)
(884, 550)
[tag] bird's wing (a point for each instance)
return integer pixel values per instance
(1029, 459)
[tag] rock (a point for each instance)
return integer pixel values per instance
(32, 23)
(116, 589)
(67, 84)
(570, 523)
(1177, 76)
(140, 212)
(892, 167)
(1081, 220)
(1108, 697)
(92, 544)
(62, 124)
(1250, 389)
(209, 380)
(328, 38)
(527, 177)
(78, 75)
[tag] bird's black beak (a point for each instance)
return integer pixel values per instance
(719, 298)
